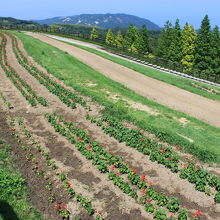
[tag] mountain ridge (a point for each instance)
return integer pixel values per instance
(105, 21)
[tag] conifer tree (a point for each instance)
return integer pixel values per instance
(203, 57)
(119, 41)
(215, 51)
(142, 41)
(138, 45)
(94, 34)
(164, 41)
(130, 36)
(175, 49)
(110, 38)
(188, 46)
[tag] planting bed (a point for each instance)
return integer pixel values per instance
(80, 163)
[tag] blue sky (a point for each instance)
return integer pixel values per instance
(157, 11)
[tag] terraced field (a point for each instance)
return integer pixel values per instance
(80, 162)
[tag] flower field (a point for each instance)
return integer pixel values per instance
(81, 163)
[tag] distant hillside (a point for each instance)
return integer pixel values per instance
(102, 20)
(14, 21)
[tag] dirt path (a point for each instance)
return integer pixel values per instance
(82, 173)
(194, 105)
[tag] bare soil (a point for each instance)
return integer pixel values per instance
(83, 176)
(192, 104)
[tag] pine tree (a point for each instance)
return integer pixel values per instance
(175, 49)
(94, 34)
(130, 36)
(138, 45)
(203, 57)
(110, 38)
(142, 41)
(164, 41)
(145, 37)
(215, 52)
(119, 40)
(188, 46)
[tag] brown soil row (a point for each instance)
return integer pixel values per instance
(82, 173)
(194, 105)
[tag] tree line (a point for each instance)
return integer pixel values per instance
(134, 40)
(185, 50)
(188, 48)
(194, 49)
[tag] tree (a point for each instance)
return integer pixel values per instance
(203, 57)
(94, 34)
(175, 49)
(188, 46)
(215, 51)
(130, 36)
(119, 41)
(164, 41)
(110, 38)
(52, 28)
(141, 43)
(138, 45)
(145, 46)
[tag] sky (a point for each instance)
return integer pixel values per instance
(158, 11)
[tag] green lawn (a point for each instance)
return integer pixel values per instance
(13, 193)
(159, 75)
(114, 96)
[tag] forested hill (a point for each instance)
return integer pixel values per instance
(102, 20)
(14, 21)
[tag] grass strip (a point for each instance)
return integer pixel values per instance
(165, 125)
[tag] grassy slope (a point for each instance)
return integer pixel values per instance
(13, 193)
(78, 75)
(156, 74)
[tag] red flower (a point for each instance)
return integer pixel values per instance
(150, 183)
(130, 166)
(148, 201)
(100, 212)
(72, 100)
(143, 178)
(117, 173)
(163, 150)
(135, 171)
(198, 212)
(112, 167)
(68, 184)
(89, 148)
(185, 165)
(142, 139)
(170, 158)
(56, 207)
(63, 206)
(172, 215)
(143, 191)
